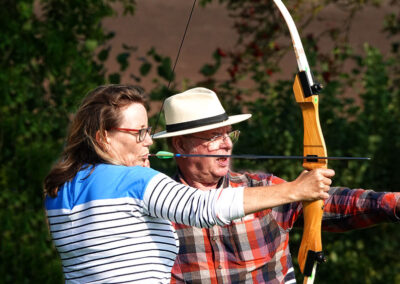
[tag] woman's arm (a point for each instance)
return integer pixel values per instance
(167, 199)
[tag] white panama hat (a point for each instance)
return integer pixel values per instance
(195, 110)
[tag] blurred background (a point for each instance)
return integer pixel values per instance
(54, 51)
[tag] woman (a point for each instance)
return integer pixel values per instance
(109, 213)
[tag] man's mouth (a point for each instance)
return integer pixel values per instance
(223, 161)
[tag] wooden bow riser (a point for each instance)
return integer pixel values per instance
(310, 251)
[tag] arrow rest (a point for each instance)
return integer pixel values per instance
(317, 88)
(305, 85)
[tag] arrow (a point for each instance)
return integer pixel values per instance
(169, 155)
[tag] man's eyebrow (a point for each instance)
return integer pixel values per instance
(220, 133)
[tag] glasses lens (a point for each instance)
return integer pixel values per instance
(215, 142)
(143, 132)
(234, 136)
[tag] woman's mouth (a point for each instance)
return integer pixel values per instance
(145, 160)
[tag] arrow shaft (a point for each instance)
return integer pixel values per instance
(254, 157)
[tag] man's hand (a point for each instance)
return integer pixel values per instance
(312, 185)
(309, 186)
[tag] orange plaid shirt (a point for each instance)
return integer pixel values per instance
(255, 249)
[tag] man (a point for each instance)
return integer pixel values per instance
(254, 249)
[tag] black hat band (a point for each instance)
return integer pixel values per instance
(196, 123)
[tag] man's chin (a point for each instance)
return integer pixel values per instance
(222, 171)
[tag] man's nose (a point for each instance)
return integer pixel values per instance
(227, 142)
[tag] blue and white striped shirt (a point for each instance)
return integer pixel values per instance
(112, 223)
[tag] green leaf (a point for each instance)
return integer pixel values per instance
(91, 44)
(164, 70)
(123, 60)
(145, 68)
(103, 54)
(114, 78)
(208, 70)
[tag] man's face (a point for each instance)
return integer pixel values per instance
(206, 170)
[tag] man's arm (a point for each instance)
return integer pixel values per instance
(347, 209)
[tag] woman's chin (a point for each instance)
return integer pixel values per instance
(143, 163)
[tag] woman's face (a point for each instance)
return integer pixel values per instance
(124, 146)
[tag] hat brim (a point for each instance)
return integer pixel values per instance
(231, 120)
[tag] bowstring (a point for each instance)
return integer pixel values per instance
(176, 61)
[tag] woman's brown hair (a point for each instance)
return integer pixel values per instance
(99, 112)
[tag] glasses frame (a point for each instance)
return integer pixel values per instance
(218, 136)
(142, 132)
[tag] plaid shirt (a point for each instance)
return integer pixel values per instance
(255, 249)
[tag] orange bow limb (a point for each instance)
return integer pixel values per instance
(310, 252)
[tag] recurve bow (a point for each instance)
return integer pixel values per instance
(306, 94)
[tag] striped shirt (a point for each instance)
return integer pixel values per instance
(111, 224)
(255, 249)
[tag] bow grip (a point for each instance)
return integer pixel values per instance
(310, 251)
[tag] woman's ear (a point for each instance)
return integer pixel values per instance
(102, 140)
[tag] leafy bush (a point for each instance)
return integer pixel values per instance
(48, 62)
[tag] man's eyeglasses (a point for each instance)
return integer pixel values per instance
(142, 132)
(213, 142)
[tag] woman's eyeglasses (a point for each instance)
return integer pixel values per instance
(142, 132)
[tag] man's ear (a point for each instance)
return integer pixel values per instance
(178, 144)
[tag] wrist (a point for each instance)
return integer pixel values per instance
(291, 192)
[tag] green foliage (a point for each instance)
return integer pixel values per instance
(48, 63)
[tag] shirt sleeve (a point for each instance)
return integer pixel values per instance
(348, 209)
(168, 199)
